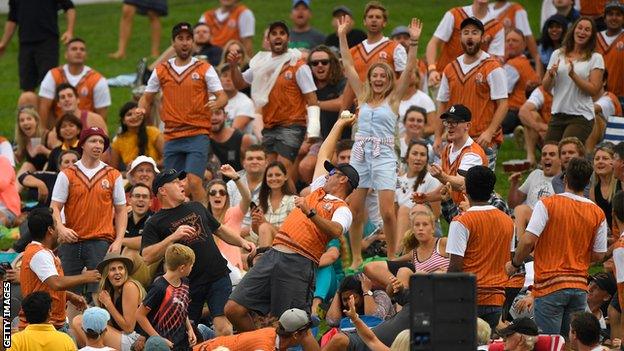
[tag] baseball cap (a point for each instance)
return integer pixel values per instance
(143, 159)
(474, 21)
(293, 320)
(297, 2)
(346, 169)
(604, 281)
(342, 10)
(165, 177)
(524, 325)
(399, 30)
(91, 131)
(276, 24)
(181, 27)
(95, 319)
(156, 343)
(457, 112)
(614, 4)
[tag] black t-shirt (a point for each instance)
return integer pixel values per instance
(168, 307)
(136, 229)
(40, 24)
(328, 118)
(354, 37)
(209, 263)
(48, 178)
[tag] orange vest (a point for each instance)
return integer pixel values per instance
(616, 102)
(452, 48)
(546, 110)
(85, 88)
(620, 286)
(362, 60)
(89, 206)
(473, 91)
(184, 100)
(222, 32)
(452, 168)
(261, 339)
(287, 105)
(508, 17)
(300, 234)
(527, 75)
(614, 57)
(31, 283)
(563, 250)
(487, 251)
(592, 8)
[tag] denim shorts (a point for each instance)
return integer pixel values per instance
(554, 311)
(379, 173)
(284, 140)
(189, 154)
(215, 294)
(76, 256)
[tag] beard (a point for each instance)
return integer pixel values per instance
(473, 49)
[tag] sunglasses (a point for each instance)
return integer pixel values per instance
(215, 192)
(335, 171)
(319, 62)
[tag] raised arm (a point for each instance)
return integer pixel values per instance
(415, 29)
(230, 172)
(344, 25)
(329, 144)
(233, 59)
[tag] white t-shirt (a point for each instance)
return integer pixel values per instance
(609, 39)
(539, 219)
(496, 79)
(420, 99)
(537, 99)
(61, 187)
(6, 150)
(405, 188)
(240, 105)
(42, 263)
(458, 234)
(606, 105)
(447, 25)
(512, 77)
(213, 83)
(522, 18)
(469, 160)
(399, 54)
(618, 260)
(304, 78)
(246, 21)
(567, 97)
(342, 215)
(536, 186)
(101, 93)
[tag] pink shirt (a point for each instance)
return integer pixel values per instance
(9, 197)
(233, 219)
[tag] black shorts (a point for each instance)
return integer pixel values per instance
(144, 6)
(284, 140)
(35, 60)
(394, 266)
(277, 282)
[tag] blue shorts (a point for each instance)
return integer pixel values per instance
(189, 154)
(76, 256)
(215, 294)
(379, 173)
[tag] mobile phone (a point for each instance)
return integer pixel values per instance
(252, 206)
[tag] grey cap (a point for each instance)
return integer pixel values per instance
(293, 320)
(399, 30)
(614, 4)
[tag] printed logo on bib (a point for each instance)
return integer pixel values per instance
(383, 55)
(84, 91)
(288, 75)
(195, 76)
(231, 23)
(105, 184)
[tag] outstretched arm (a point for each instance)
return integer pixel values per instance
(404, 80)
(329, 144)
(353, 78)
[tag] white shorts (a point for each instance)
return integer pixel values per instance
(127, 340)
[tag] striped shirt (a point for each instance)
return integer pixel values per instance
(434, 263)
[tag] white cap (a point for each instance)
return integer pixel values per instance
(143, 159)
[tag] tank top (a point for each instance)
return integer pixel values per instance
(229, 151)
(379, 122)
(603, 203)
(435, 262)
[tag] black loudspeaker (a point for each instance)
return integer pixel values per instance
(443, 312)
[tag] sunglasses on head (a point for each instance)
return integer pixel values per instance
(215, 192)
(319, 62)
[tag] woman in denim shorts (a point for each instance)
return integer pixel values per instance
(373, 154)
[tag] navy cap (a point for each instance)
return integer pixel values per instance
(474, 21)
(181, 27)
(165, 177)
(457, 112)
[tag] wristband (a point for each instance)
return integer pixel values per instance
(236, 179)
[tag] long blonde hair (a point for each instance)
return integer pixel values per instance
(20, 138)
(401, 342)
(368, 90)
(105, 284)
(244, 57)
(612, 181)
(409, 239)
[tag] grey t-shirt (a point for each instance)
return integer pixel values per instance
(306, 40)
